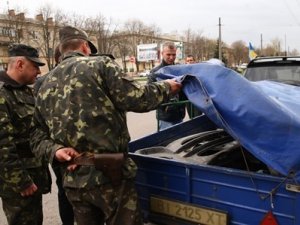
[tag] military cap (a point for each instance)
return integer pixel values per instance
(24, 50)
(68, 33)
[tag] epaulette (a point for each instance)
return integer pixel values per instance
(108, 55)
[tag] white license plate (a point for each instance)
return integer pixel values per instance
(188, 212)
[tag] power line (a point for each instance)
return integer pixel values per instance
(292, 13)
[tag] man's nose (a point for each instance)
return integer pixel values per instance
(38, 70)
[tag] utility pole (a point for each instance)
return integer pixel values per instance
(261, 45)
(220, 40)
(285, 52)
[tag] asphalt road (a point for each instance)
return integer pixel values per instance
(139, 125)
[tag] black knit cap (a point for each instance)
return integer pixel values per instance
(24, 50)
(68, 33)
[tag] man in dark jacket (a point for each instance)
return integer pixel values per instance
(23, 177)
(170, 114)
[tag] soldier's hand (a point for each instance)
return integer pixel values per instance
(65, 155)
(175, 86)
(29, 191)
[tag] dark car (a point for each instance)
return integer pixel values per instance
(283, 69)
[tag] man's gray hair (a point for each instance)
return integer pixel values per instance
(168, 44)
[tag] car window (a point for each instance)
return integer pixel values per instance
(279, 73)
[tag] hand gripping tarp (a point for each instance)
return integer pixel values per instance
(263, 116)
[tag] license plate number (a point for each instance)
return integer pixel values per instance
(188, 212)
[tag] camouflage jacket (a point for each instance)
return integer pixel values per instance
(82, 104)
(19, 168)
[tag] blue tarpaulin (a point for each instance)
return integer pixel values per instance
(264, 116)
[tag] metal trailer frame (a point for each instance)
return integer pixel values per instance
(173, 192)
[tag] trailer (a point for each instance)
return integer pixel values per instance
(176, 191)
(217, 169)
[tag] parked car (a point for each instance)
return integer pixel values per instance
(284, 69)
(144, 73)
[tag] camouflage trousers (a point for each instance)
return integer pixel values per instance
(106, 204)
(23, 210)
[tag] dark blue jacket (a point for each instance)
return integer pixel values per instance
(170, 113)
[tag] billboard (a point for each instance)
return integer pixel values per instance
(147, 52)
(179, 50)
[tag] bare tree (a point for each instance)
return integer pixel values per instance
(197, 45)
(294, 52)
(122, 51)
(273, 48)
(47, 38)
(239, 52)
(135, 32)
(134, 29)
(194, 43)
(269, 50)
(103, 31)
(77, 20)
(188, 38)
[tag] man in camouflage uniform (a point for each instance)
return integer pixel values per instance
(64, 207)
(23, 177)
(81, 107)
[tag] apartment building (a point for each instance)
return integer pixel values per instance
(16, 28)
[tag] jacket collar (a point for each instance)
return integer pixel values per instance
(8, 82)
(166, 64)
(71, 54)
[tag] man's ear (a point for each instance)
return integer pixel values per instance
(85, 48)
(20, 63)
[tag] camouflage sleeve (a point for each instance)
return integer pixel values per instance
(40, 141)
(11, 167)
(130, 95)
(151, 77)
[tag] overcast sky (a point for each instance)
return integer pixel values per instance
(245, 20)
